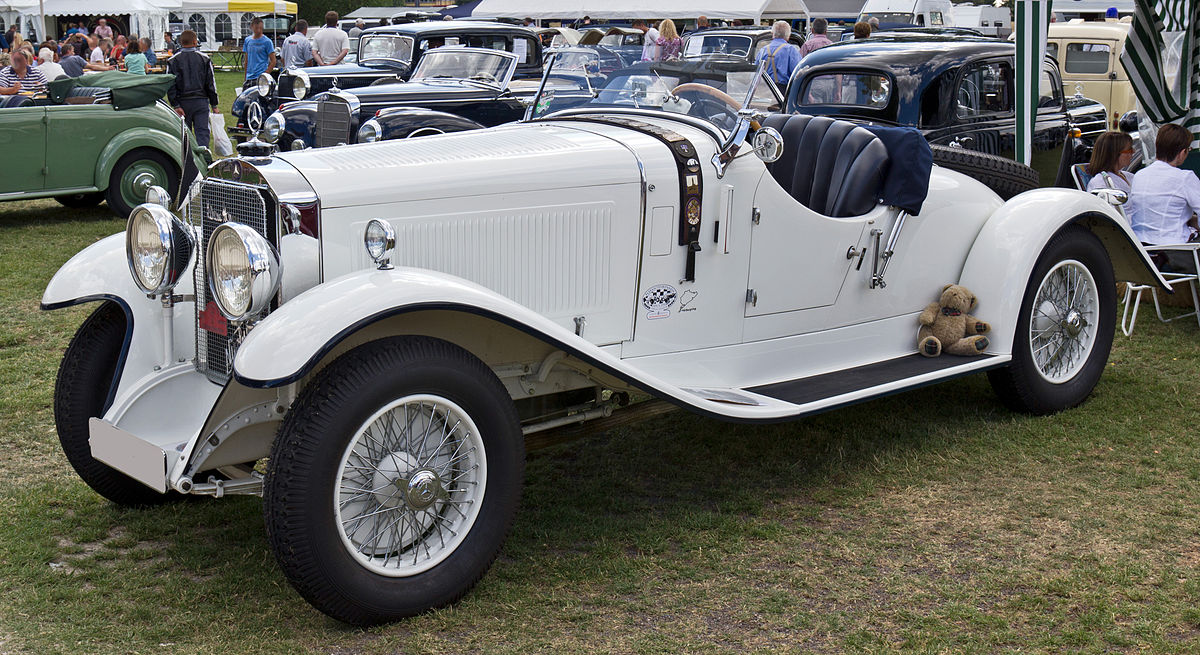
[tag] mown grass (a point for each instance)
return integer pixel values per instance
(932, 521)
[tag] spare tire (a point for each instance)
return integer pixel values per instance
(1000, 174)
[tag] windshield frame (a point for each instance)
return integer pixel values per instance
(713, 53)
(509, 71)
(366, 38)
(744, 111)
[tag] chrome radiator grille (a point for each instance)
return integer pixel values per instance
(218, 202)
(333, 122)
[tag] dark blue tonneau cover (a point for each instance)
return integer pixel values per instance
(907, 181)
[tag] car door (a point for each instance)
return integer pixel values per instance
(23, 137)
(982, 116)
(71, 152)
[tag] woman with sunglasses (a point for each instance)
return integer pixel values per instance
(1110, 155)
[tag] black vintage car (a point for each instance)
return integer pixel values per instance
(740, 41)
(453, 89)
(386, 53)
(960, 91)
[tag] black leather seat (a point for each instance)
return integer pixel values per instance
(833, 167)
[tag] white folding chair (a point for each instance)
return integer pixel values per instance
(1134, 291)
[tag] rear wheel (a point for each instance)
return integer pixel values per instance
(394, 480)
(81, 392)
(1064, 329)
(135, 172)
(1002, 175)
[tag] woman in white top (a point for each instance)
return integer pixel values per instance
(1110, 156)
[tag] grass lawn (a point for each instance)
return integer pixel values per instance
(928, 522)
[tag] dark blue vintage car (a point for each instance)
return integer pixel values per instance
(959, 91)
(388, 53)
(453, 89)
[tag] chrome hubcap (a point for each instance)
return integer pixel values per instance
(142, 182)
(1062, 328)
(410, 485)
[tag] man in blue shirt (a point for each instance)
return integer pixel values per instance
(260, 53)
(782, 57)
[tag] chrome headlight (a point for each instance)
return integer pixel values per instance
(380, 240)
(272, 127)
(298, 144)
(243, 271)
(158, 247)
(370, 132)
(265, 83)
(300, 84)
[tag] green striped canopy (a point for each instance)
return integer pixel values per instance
(1032, 17)
(1143, 61)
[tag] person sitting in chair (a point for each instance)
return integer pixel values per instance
(1111, 154)
(1164, 198)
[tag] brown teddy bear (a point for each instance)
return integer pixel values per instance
(947, 327)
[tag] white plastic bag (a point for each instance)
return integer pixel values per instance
(216, 125)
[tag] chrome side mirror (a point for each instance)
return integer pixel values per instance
(1114, 197)
(768, 144)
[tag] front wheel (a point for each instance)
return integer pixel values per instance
(394, 480)
(1064, 329)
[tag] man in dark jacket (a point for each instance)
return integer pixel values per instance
(195, 88)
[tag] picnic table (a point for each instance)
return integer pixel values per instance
(226, 60)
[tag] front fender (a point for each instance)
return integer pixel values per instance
(292, 341)
(1002, 258)
(400, 123)
(141, 137)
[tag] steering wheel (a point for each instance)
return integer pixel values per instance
(715, 94)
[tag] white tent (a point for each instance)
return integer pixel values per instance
(625, 9)
(146, 18)
(219, 22)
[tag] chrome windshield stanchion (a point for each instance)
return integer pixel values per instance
(746, 118)
(531, 108)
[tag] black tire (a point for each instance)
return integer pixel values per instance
(80, 393)
(1004, 176)
(121, 196)
(81, 200)
(323, 427)
(1020, 385)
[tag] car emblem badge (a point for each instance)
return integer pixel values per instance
(658, 300)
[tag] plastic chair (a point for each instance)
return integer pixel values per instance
(1134, 291)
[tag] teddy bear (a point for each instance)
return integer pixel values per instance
(947, 327)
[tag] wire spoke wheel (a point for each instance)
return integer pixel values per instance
(410, 485)
(1065, 319)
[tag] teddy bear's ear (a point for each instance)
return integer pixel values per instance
(974, 301)
(946, 287)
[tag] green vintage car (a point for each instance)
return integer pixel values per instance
(99, 137)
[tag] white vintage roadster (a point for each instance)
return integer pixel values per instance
(384, 323)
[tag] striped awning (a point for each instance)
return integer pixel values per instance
(1143, 61)
(1032, 19)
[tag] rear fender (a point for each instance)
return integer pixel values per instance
(129, 140)
(1002, 258)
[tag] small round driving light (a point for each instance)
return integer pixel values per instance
(298, 144)
(380, 240)
(158, 247)
(300, 84)
(156, 195)
(265, 84)
(272, 128)
(370, 132)
(243, 271)
(768, 144)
